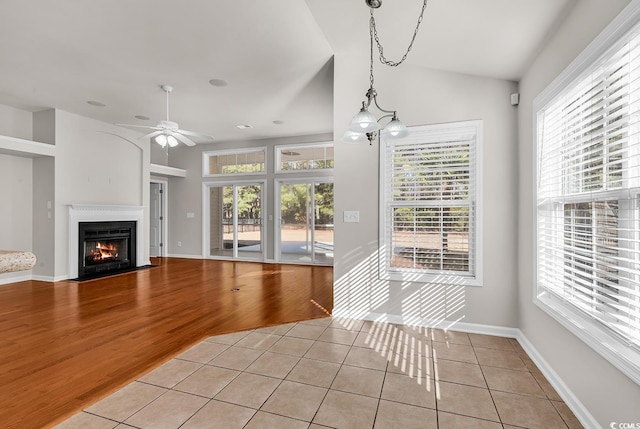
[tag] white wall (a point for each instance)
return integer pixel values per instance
(93, 167)
(604, 391)
(423, 96)
(15, 122)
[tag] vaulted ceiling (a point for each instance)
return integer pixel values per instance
(276, 57)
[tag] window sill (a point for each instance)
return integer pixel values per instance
(444, 279)
(615, 351)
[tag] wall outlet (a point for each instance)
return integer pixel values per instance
(179, 243)
(190, 215)
(351, 216)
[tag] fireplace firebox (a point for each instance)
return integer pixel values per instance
(106, 248)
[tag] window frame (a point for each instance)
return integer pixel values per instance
(245, 150)
(595, 334)
(431, 133)
(278, 153)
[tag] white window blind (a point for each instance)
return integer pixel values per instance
(588, 182)
(430, 204)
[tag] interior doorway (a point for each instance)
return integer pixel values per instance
(157, 218)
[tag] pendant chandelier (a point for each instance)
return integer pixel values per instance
(364, 125)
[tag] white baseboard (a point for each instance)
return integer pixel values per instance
(578, 408)
(580, 411)
(177, 255)
(15, 279)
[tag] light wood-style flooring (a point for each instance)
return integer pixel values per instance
(65, 345)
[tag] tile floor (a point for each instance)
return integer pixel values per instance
(338, 373)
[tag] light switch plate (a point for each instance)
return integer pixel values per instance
(351, 216)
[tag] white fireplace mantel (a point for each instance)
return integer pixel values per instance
(100, 213)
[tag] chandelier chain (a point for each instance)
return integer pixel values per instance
(374, 35)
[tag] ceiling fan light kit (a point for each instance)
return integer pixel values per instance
(364, 125)
(168, 133)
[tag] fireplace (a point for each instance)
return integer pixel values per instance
(106, 248)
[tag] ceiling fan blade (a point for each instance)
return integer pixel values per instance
(194, 134)
(138, 126)
(152, 135)
(183, 139)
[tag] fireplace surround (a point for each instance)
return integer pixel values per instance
(105, 220)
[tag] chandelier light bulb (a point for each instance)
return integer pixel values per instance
(395, 129)
(364, 122)
(352, 137)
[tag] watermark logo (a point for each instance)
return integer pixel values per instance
(614, 425)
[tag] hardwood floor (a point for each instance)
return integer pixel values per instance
(66, 345)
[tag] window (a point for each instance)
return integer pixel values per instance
(431, 208)
(233, 162)
(314, 156)
(588, 183)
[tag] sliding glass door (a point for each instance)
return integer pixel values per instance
(236, 221)
(305, 230)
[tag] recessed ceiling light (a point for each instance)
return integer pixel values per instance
(142, 117)
(278, 122)
(244, 126)
(96, 103)
(218, 82)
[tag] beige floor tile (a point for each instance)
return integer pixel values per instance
(366, 358)
(466, 400)
(276, 329)
(168, 411)
(292, 346)
(408, 390)
(452, 337)
(328, 352)
(417, 365)
(459, 372)
(87, 421)
(314, 372)
(346, 411)
(203, 352)
(322, 321)
(273, 365)
(404, 344)
(345, 323)
(295, 400)
(249, 390)
(310, 332)
(567, 415)
(499, 358)
(338, 336)
(517, 347)
(218, 414)
(238, 358)
(546, 386)
(527, 412)
(170, 373)
(381, 342)
(258, 340)
(457, 352)
(393, 414)
(456, 421)
(361, 381)
(490, 342)
(262, 420)
(127, 401)
(229, 339)
(207, 381)
(512, 381)
(412, 334)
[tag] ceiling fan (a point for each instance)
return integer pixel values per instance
(168, 132)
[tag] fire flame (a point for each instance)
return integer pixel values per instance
(104, 251)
